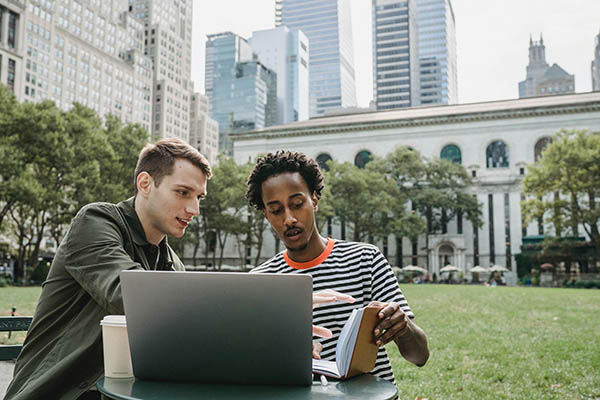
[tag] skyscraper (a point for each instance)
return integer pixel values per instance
(89, 51)
(286, 52)
(395, 54)
(437, 52)
(11, 45)
(168, 42)
(327, 24)
(596, 65)
(204, 131)
(242, 91)
(542, 79)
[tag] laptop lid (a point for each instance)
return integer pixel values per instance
(219, 327)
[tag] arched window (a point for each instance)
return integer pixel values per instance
(496, 155)
(540, 146)
(322, 160)
(451, 152)
(362, 158)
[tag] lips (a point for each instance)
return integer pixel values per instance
(183, 221)
(293, 233)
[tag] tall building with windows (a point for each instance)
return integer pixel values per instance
(86, 51)
(395, 54)
(286, 52)
(204, 131)
(437, 52)
(542, 79)
(596, 65)
(241, 90)
(168, 43)
(327, 24)
(11, 45)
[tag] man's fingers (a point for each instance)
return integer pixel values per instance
(316, 350)
(321, 332)
(329, 296)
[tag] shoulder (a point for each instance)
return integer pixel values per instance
(274, 264)
(344, 247)
(94, 221)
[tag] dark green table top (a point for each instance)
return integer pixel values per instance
(360, 387)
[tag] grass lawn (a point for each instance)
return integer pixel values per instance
(485, 342)
(503, 343)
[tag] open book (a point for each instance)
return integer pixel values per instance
(356, 351)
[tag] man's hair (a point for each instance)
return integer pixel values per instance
(277, 163)
(158, 159)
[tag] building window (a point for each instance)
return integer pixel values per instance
(362, 158)
(540, 145)
(491, 227)
(322, 160)
(451, 153)
(496, 155)
(12, 29)
(10, 76)
(507, 230)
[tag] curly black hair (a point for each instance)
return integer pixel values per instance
(276, 163)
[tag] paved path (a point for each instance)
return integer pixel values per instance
(6, 373)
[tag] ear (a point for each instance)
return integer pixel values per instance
(315, 201)
(144, 183)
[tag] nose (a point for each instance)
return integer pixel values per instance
(193, 207)
(289, 218)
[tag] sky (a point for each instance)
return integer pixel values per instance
(492, 40)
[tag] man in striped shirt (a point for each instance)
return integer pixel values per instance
(287, 187)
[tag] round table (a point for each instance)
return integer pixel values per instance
(360, 387)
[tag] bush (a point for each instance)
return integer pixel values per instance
(4, 281)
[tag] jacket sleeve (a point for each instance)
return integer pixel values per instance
(95, 255)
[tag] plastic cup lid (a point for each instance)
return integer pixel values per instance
(113, 320)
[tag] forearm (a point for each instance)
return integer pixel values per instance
(412, 344)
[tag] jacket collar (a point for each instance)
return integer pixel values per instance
(137, 231)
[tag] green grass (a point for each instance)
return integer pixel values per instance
(485, 342)
(503, 343)
(25, 299)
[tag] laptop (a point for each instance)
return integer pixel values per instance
(216, 327)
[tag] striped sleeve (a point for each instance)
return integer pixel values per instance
(384, 286)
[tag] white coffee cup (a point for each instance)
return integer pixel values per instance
(115, 342)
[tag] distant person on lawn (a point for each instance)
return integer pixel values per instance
(62, 354)
(287, 187)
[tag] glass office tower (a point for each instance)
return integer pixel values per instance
(437, 52)
(327, 24)
(243, 92)
(395, 56)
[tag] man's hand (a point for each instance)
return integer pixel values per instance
(324, 297)
(393, 323)
(329, 296)
(317, 348)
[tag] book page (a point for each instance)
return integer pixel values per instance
(324, 367)
(344, 356)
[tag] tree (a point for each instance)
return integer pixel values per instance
(362, 198)
(437, 190)
(563, 185)
(222, 211)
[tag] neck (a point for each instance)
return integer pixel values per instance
(152, 236)
(315, 246)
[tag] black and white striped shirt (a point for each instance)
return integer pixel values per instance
(357, 269)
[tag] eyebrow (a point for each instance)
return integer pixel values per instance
(291, 197)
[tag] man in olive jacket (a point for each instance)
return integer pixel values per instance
(62, 354)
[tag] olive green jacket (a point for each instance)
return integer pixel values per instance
(62, 354)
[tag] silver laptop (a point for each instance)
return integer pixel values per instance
(219, 327)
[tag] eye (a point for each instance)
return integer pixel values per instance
(298, 205)
(182, 192)
(275, 211)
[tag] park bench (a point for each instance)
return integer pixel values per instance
(11, 324)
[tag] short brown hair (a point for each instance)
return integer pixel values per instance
(159, 158)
